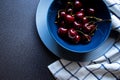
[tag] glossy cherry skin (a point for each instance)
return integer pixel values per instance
(69, 11)
(72, 33)
(74, 22)
(62, 31)
(79, 15)
(91, 11)
(77, 4)
(62, 14)
(89, 28)
(82, 10)
(76, 39)
(69, 18)
(77, 25)
(85, 20)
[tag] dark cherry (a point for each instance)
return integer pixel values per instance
(72, 33)
(62, 14)
(85, 20)
(75, 22)
(82, 10)
(89, 28)
(69, 18)
(77, 25)
(69, 11)
(91, 11)
(76, 39)
(62, 31)
(79, 15)
(77, 4)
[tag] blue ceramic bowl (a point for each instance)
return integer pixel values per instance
(101, 34)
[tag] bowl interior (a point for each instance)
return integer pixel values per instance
(101, 34)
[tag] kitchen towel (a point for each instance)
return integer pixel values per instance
(106, 67)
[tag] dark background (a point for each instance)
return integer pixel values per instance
(23, 56)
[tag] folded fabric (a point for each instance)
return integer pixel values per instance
(106, 67)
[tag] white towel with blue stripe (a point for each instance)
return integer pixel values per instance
(106, 67)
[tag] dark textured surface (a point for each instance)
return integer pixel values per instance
(22, 54)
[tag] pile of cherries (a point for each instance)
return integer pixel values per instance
(76, 24)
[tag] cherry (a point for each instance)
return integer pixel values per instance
(85, 20)
(79, 15)
(77, 4)
(69, 18)
(91, 11)
(72, 33)
(77, 39)
(62, 31)
(69, 10)
(89, 28)
(62, 14)
(77, 25)
(82, 10)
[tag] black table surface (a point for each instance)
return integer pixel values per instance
(23, 56)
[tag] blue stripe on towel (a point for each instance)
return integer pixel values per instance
(108, 60)
(72, 75)
(112, 5)
(114, 14)
(117, 27)
(91, 73)
(110, 72)
(77, 69)
(103, 75)
(62, 68)
(117, 48)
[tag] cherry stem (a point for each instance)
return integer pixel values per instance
(58, 16)
(93, 30)
(107, 20)
(92, 17)
(91, 33)
(92, 22)
(98, 19)
(80, 32)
